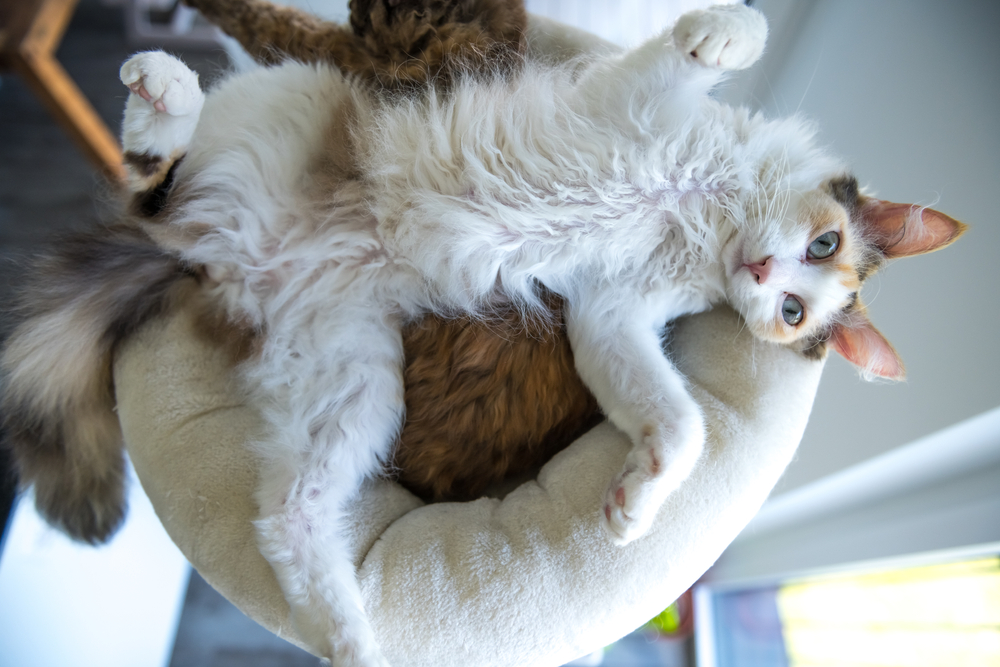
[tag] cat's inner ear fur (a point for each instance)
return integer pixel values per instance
(893, 230)
(905, 230)
(856, 339)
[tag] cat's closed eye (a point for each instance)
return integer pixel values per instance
(792, 311)
(824, 246)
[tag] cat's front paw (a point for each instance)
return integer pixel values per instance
(655, 467)
(630, 505)
(160, 115)
(728, 37)
(166, 83)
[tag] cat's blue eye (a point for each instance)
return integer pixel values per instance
(824, 246)
(792, 310)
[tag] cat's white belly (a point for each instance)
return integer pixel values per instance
(278, 236)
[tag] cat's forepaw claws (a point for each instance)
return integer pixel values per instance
(630, 506)
(729, 37)
(659, 463)
(633, 498)
(164, 82)
(141, 91)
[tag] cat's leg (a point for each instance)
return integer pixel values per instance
(161, 114)
(690, 58)
(335, 402)
(619, 357)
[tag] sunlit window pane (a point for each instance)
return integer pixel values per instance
(945, 615)
(917, 617)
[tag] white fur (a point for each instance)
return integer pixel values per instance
(623, 188)
(169, 84)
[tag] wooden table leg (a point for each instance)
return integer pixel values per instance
(50, 83)
(31, 32)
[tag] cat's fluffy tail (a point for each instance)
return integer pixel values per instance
(57, 402)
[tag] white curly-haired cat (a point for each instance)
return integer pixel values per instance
(327, 217)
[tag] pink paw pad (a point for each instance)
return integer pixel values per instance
(141, 91)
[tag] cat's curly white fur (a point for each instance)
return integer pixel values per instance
(328, 218)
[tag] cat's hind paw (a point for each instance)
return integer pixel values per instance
(728, 37)
(163, 81)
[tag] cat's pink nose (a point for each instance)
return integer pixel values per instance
(761, 270)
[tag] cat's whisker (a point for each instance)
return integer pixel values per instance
(770, 88)
(809, 84)
(743, 318)
(869, 300)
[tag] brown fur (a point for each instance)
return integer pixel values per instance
(150, 188)
(147, 172)
(395, 45)
(486, 400)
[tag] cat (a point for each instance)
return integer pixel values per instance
(328, 218)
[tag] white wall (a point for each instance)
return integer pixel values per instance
(908, 91)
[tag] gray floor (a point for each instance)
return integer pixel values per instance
(47, 188)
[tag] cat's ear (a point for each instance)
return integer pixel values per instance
(857, 340)
(904, 230)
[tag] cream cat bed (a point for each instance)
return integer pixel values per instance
(528, 580)
(531, 579)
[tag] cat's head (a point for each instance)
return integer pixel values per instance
(795, 272)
